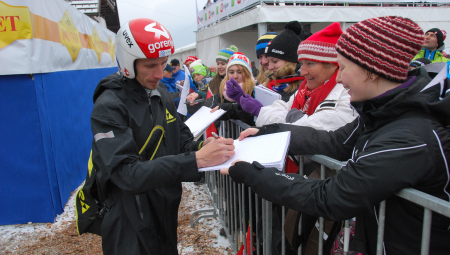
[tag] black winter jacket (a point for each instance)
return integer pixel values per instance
(399, 141)
(144, 217)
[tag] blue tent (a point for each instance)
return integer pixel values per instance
(45, 141)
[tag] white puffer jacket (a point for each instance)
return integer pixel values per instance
(333, 113)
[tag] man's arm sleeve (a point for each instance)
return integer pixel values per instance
(376, 174)
(336, 144)
(186, 139)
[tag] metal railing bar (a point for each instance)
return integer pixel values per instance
(426, 231)
(243, 224)
(346, 237)
(380, 234)
(425, 200)
(257, 225)
(269, 227)
(321, 220)
(283, 218)
(241, 124)
(236, 231)
(250, 218)
(327, 161)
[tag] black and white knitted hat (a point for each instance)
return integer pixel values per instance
(284, 46)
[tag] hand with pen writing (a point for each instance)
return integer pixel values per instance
(215, 152)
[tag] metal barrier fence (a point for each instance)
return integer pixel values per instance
(240, 210)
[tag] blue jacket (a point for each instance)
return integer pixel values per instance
(169, 85)
(179, 76)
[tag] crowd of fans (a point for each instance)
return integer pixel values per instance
(374, 95)
(307, 70)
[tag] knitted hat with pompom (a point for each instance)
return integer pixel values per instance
(225, 54)
(284, 46)
(321, 46)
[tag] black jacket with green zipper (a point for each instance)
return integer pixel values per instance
(399, 141)
(144, 217)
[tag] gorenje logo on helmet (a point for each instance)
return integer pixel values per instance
(127, 38)
(152, 47)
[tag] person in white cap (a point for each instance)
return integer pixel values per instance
(142, 151)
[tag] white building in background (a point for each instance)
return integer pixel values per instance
(241, 22)
(183, 52)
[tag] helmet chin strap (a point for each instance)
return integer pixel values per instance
(134, 69)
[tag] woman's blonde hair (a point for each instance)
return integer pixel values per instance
(248, 86)
(287, 69)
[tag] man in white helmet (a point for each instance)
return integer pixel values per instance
(141, 150)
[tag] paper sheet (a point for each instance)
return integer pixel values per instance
(201, 119)
(182, 109)
(269, 150)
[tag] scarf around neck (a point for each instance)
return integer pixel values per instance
(280, 84)
(308, 100)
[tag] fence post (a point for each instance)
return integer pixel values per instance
(321, 221)
(283, 218)
(301, 170)
(380, 238)
(426, 231)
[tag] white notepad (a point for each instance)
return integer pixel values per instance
(266, 96)
(269, 150)
(201, 119)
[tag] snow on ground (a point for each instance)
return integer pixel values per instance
(197, 198)
(61, 237)
(11, 235)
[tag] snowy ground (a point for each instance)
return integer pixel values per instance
(12, 236)
(207, 230)
(61, 236)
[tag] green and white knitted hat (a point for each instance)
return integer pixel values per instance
(198, 68)
(225, 54)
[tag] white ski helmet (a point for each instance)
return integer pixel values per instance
(141, 38)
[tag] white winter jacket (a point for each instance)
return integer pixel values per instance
(333, 113)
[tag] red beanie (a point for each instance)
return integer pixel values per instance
(383, 45)
(190, 58)
(321, 46)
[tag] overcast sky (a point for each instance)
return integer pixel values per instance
(178, 16)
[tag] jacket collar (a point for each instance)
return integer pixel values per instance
(399, 101)
(137, 91)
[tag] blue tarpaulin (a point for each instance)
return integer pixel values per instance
(45, 141)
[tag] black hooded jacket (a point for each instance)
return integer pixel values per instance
(144, 217)
(399, 141)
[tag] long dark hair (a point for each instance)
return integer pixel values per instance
(214, 84)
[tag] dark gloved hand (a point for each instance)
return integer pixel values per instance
(250, 105)
(234, 91)
(294, 115)
(241, 169)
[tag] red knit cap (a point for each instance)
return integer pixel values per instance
(190, 58)
(383, 45)
(321, 46)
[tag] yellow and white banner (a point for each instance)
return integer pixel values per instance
(42, 36)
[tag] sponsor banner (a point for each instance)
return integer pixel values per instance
(221, 9)
(42, 36)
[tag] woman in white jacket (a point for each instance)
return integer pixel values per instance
(320, 102)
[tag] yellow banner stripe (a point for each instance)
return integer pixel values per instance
(48, 30)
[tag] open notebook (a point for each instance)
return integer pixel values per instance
(269, 150)
(201, 119)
